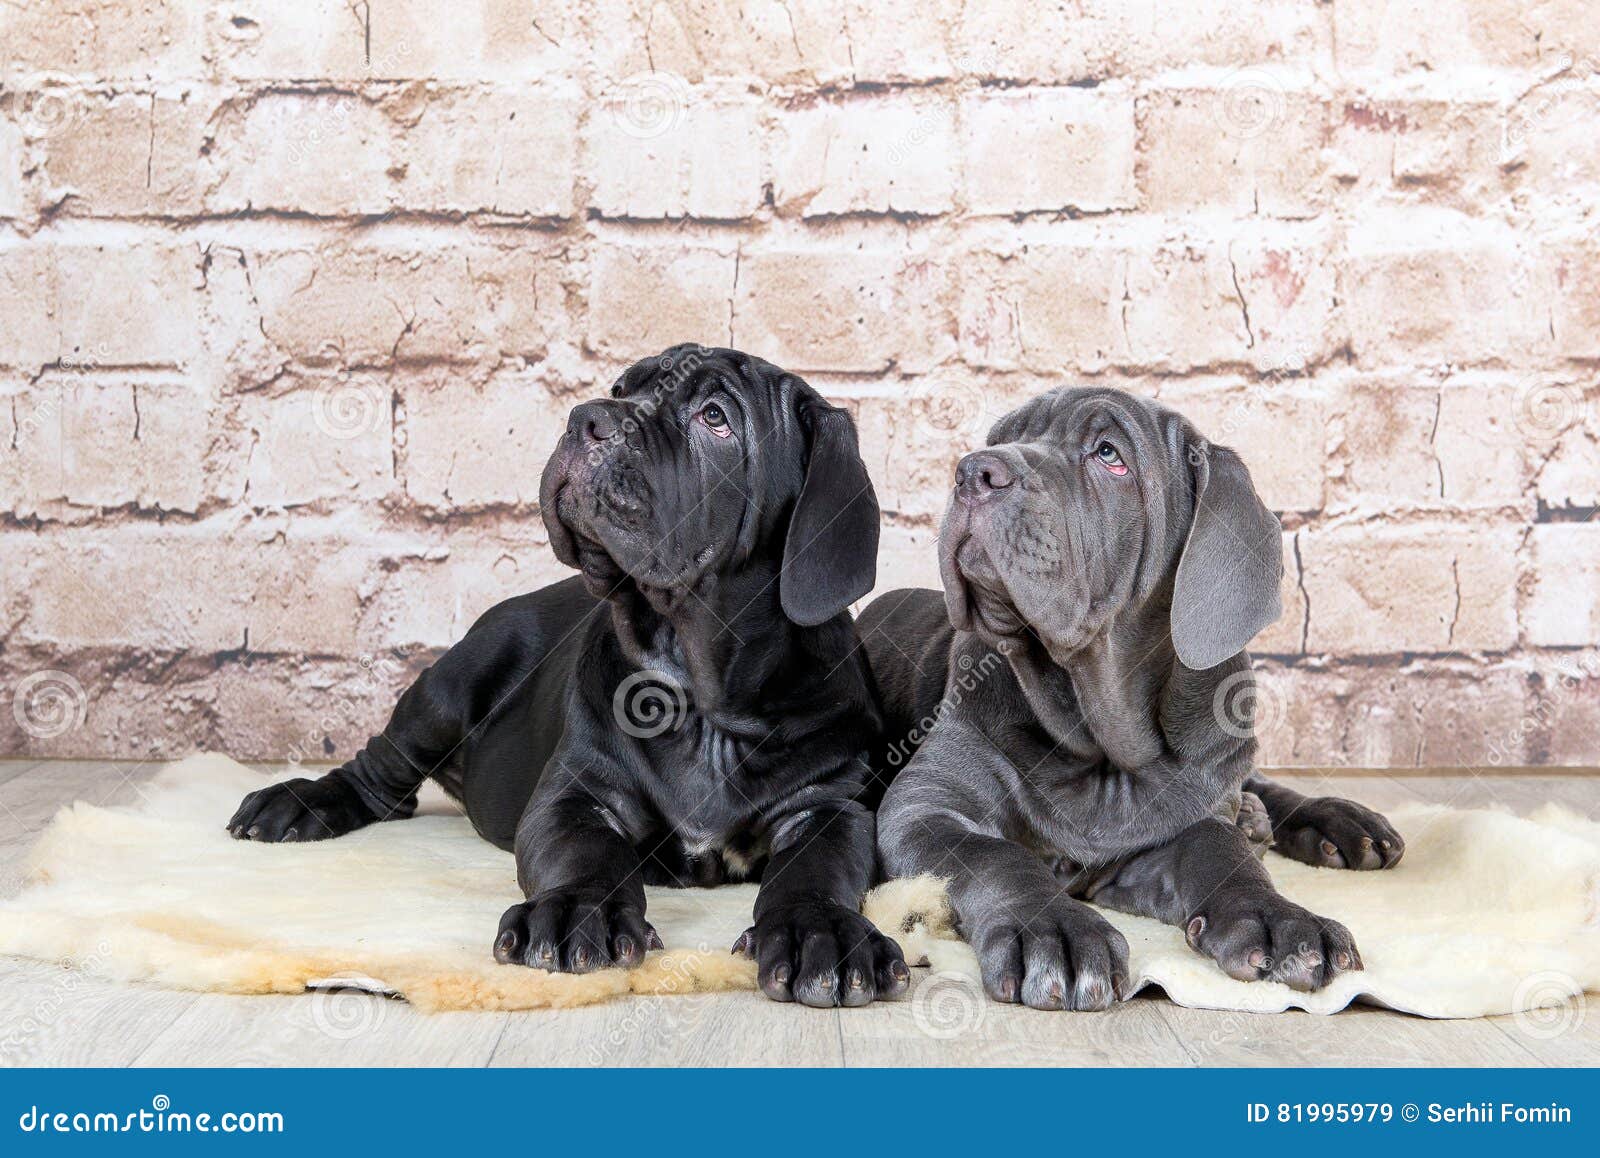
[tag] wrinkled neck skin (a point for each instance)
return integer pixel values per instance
(723, 638)
(1105, 688)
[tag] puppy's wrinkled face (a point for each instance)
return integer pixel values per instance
(1065, 518)
(682, 472)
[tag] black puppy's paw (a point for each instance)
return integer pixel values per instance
(822, 955)
(574, 932)
(298, 810)
(1064, 956)
(1256, 934)
(1331, 832)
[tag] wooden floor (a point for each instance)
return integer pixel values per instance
(53, 1016)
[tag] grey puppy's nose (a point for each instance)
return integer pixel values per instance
(593, 422)
(981, 475)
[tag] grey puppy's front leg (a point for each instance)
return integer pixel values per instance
(1208, 881)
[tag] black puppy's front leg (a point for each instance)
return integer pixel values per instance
(810, 941)
(1327, 831)
(581, 875)
(1208, 881)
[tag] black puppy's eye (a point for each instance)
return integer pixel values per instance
(716, 421)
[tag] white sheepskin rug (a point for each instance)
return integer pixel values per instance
(1488, 913)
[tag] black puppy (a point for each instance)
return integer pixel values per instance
(692, 710)
(1083, 705)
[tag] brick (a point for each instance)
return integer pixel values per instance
(274, 590)
(98, 305)
(130, 154)
(1264, 299)
(138, 445)
(468, 447)
(14, 199)
(1563, 720)
(907, 557)
(1419, 149)
(320, 153)
(801, 44)
(103, 38)
(1455, 715)
(431, 598)
(1564, 419)
(689, 155)
(1251, 145)
(875, 154)
(31, 472)
(1549, 132)
(329, 439)
(1386, 590)
(1101, 39)
(1455, 445)
(362, 306)
(1286, 635)
(399, 40)
(1387, 39)
(501, 152)
(1564, 603)
(912, 439)
(643, 299)
(1574, 312)
(1078, 145)
(1437, 287)
(853, 310)
(1048, 307)
(1280, 430)
(894, 41)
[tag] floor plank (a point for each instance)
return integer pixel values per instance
(1358, 1036)
(727, 1029)
(331, 1028)
(952, 1023)
(50, 1015)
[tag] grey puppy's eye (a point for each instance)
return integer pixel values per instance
(1108, 455)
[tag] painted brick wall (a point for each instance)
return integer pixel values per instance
(293, 297)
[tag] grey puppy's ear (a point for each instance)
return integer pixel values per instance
(830, 558)
(1227, 584)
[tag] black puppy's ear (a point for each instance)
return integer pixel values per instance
(1227, 585)
(830, 558)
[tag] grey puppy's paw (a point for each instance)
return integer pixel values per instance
(1332, 832)
(1255, 934)
(1063, 956)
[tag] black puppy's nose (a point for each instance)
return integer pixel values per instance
(980, 475)
(593, 422)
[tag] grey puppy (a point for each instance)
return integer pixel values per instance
(1079, 708)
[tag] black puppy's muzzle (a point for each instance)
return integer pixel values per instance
(595, 424)
(982, 477)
